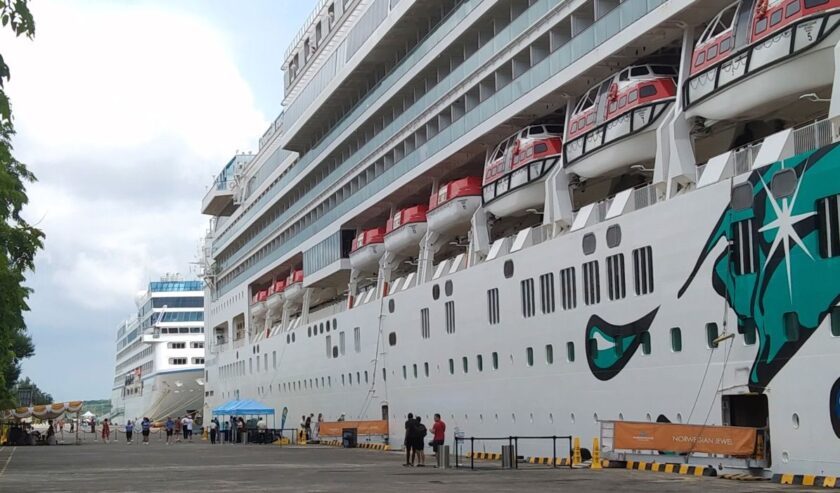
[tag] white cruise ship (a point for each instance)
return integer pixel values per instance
(160, 353)
(545, 217)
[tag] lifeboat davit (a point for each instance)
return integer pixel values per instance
(294, 286)
(258, 308)
(614, 124)
(275, 296)
(368, 248)
(515, 170)
(453, 205)
(757, 55)
(406, 229)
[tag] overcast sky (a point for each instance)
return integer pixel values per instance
(124, 111)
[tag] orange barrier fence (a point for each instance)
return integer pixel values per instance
(334, 428)
(724, 440)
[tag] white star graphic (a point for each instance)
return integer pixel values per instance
(784, 223)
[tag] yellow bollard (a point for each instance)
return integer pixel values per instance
(205, 434)
(576, 460)
(596, 454)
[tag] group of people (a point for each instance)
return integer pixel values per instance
(179, 427)
(415, 436)
(145, 430)
(310, 427)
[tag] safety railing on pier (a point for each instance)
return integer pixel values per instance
(467, 445)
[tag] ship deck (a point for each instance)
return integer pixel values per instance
(197, 466)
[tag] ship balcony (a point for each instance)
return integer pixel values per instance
(219, 199)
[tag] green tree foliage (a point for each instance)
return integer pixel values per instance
(18, 239)
(38, 395)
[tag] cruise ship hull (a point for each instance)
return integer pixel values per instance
(164, 394)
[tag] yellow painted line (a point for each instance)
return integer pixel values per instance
(786, 479)
(808, 480)
(669, 468)
(683, 469)
(698, 471)
(829, 482)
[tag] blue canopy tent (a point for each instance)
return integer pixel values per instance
(244, 408)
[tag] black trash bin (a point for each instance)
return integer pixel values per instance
(349, 437)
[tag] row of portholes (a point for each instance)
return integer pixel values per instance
(572, 417)
(448, 289)
(314, 330)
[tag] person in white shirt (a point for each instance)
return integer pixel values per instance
(261, 427)
(189, 428)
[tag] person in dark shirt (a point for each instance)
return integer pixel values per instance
(417, 446)
(409, 436)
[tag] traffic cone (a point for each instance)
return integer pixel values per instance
(596, 454)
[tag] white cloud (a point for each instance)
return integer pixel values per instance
(124, 112)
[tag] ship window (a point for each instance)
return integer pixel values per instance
(644, 340)
(357, 339)
(590, 119)
(749, 331)
(384, 374)
(640, 71)
(776, 17)
(588, 243)
(449, 311)
(835, 321)
(712, 52)
(425, 332)
(451, 366)
(549, 354)
(568, 288)
(591, 283)
(341, 343)
(178, 361)
(647, 91)
(465, 364)
(309, 332)
(547, 293)
(828, 216)
(745, 253)
(479, 362)
(414, 369)
(726, 44)
(495, 358)
(634, 96)
(554, 129)
(529, 355)
(783, 184)
(615, 277)
(676, 339)
(792, 327)
(540, 147)
(614, 236)
(392, 339)
(198, 361)
(711, 334)
(761, 25)
(742, 197)
(329, 346)
(493, 305)
(570, 352)
(622, 102)
(177, 345)
(274, 359)
(426, 368)
(508, 269)
(528, 304)
(435, 292)
(448, 288)
(643, 270)
(613, 106)
(792, 8)
(625, 75)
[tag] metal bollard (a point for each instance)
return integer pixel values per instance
(508, 457)
(443, 456)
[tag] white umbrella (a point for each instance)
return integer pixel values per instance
(88, 414)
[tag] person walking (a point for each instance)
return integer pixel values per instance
(308, 427)
(316, 431)
(178, 427)
(189, 428)
(93, 427)
(106, 431)
(184, 427)
(419, 436)
(170, 429)
(261, 428)
(214, 425)
(146, 427)
(129, 431)
(240, 430)
(408, 441)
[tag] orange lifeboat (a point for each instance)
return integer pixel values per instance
(368, 247)
(515, 170)
(405, 230)
(614, 124)
(454, 204)
(258, 304)
(275, 295)
(294, 286)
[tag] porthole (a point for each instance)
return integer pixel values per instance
(447, 288)
(391, 306)
(392, 339)
(679, 418)
(551, 417)
(589, 243)
(309, 331)
(293, 337)
(435, 292)
(335, 324)
(795, 418)
(621, 416)
(648, 417)
(742, 196)
(595, 417)
(335, 351)
(508, 269)
(614, 236)
(783, 183)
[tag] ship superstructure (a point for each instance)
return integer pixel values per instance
(539, 217)
(160, 353)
